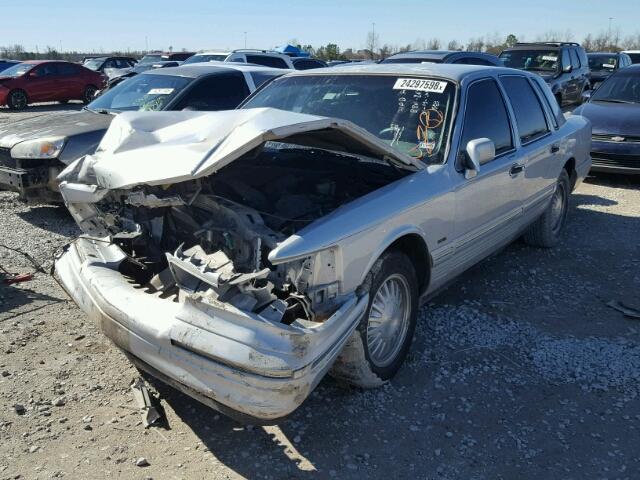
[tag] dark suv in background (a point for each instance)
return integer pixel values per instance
(563, 65)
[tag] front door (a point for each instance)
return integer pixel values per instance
(489, 205)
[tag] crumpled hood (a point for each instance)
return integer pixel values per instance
(156, 148)
(612, 118)
(61, 124)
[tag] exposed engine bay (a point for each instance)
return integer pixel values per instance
(210, 238)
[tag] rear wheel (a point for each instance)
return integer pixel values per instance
(379, 345)
(89, 94)
(17, 100)
(546, 230)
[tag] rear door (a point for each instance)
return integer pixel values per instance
(578, 80)
(70, 80)
(538, 148)
(488, 206)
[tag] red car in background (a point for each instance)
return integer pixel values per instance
(48, 81)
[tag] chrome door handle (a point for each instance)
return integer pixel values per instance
(516, 168)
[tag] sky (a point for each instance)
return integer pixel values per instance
(199, 24)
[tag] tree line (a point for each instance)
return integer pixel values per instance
(610, 41)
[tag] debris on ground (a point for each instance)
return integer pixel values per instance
(150, 412)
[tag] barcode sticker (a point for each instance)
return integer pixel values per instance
(420, 85)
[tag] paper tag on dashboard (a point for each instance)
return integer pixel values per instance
(161, 91)
(549, 58)
(421, 85)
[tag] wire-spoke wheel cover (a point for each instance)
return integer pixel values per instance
(388, 321)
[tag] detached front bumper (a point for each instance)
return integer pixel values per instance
(32, 179)
(242, 365)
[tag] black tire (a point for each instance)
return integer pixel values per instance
(359, 363)
(547, 229)
(17, 99)
(89, 94)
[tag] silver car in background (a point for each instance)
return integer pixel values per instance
(240, 256)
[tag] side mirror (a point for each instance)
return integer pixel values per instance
(586, 95)
(479, 151)
(567, 69)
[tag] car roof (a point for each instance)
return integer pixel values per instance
(604, 53)
(451, 71)
(37, 62)
(195, 70)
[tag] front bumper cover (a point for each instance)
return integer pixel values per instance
(615, 157)
(244, 366)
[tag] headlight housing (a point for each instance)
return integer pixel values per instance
(39, 148)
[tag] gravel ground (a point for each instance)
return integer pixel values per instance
(519, 369)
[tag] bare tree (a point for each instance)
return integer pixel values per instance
(433, 44)
(454, 45)
(476, 44)
(419, 44)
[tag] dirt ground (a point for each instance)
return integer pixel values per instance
(518, 370)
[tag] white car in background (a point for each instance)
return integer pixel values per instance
(261, 57)
(207, 56)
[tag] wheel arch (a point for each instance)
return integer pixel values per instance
(570, 167)
(412, 243)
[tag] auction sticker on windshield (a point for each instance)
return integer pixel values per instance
(420, 85)
(161, 91)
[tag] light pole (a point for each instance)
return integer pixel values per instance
(373, 41)
(610, 18)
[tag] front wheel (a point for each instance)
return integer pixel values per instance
(379, 345)
(547, 229)
(17, 100)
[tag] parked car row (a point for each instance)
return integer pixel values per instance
(33, 152)
(567, 68)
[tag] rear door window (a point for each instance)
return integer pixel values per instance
(217, 92)
(267, 61)
(484, 102)
(68, 69)
(575, 61)
(530, 117)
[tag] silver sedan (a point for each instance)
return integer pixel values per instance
(240, 256)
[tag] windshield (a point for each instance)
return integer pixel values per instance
(410, 114)
(142, 92)
(539, 60)
(205, 58)
(150, 59)
(93, 64)
(619, 88)
(17, 70)
(602, 62)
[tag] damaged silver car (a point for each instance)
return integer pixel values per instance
(240, 256)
